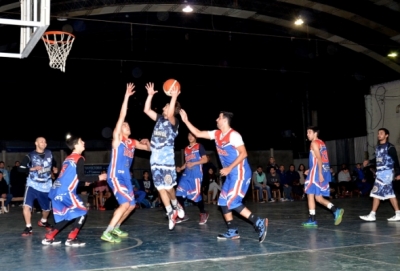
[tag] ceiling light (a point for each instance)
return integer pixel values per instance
(392, 55)
(187, 8)
(299, 21)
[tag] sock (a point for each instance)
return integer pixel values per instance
(168, 208)
(200, 204)
(312, 215)
(372, 213)
(332, 207)
(230, 224)
(43, 220)
(72, 235)
(117, 226)
(398, 213)
(253, 218)
(174, 202)
(29, 225)
(109, 228)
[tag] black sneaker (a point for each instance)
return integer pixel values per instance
(46, 225)
(27, 231)
(74, 243)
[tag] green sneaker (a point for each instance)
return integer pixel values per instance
(338, 216)
(119, 233)
(110, 238)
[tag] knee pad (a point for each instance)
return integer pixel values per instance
(225, 210)
(239, 209)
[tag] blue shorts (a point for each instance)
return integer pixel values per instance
(189, 186)
(67, 206)
(42, 197)
(164, 176)
(234, 190)
(123, 190)
(317, 188)
(383, 187)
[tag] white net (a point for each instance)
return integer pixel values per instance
(58, 44)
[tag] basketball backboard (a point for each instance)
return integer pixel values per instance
(35, 19)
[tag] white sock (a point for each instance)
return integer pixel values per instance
(398, 213)
(43, 220)
(28, 225)
(174, 202)
(168, 208)
(372, 213)
(312, 212)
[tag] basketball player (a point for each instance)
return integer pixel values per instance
(38, 165)
(67, 206)
(387, 166)
(162, 159)
(119, 178)
(318, 178)
(190, 183)
(233, 156)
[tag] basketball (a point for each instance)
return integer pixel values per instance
(169, 85)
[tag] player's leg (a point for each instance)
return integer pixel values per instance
(198, 198)
(132, 204)
(181, 194)
(124, 199)
(51, 235)
(337, 212)
(77, 225)
(44, 202)
(29, 198)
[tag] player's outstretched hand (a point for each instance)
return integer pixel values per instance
(150, 89)
(175, 91)
(130, 89)
(183, 115)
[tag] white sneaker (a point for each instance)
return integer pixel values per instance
(394, 218)
(5, 209)
(368, 217)
(172, 219)
(181, 212)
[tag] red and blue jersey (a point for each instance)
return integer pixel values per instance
(194, 154)
(313, 173)
(121, 159)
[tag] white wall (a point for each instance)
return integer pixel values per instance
(381, 111)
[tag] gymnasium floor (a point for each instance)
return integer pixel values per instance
(353, 245)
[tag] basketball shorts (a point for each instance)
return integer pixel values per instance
(383, 187)
(42, 197)
(122, 189)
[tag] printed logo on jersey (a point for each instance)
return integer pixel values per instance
(324, 156)
(222, 152)
(190, 157)
(128, 152)
(160, 133)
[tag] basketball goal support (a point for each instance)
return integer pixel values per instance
(35, 19)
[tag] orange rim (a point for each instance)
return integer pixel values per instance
(57, 33)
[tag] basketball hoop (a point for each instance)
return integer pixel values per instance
(58, 44)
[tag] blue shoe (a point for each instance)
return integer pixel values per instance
(229, 234)
(338, 216)
(309, 223)
(261, 227)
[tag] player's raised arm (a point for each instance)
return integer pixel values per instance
(171, 109)
(147, 106)
(124, 108)
(197, 133)
(143, 144)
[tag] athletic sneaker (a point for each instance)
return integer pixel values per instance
(203, 218)
(261, 227)
(180, 220)
(394, 218)
(46, 225)
(50, 242)
(181, 212)
(119, 233)
(310, 223)
(107, 236)
(368, 217)
(338, 216)
(74, 243)
(172, 219)
(27, 231)
(229, 234)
